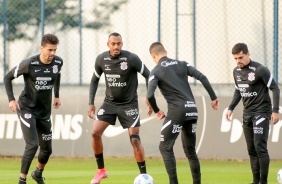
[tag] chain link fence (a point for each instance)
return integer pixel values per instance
(201, 32)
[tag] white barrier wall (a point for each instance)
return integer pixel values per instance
(216, 138)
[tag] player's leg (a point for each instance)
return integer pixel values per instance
(106, 115)
(254, 160)
(188, 137)
(45, 142)
(28, 126)
(138, 148)
(261, 130)
(128, 116)
(169, 133)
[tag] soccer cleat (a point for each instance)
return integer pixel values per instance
(101, 174)
(39, 180)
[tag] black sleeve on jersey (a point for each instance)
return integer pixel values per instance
(57, 86)
(141, 68)
(235, 100)
(153, 82)
(95, 80)
(14, 73)
(236, 96)
(193, 72)
(268, 80)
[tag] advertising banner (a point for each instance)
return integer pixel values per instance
(71, 127)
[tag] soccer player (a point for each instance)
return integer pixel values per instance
(41, 74)
(120, 68)
(252, 84)
(171, 76)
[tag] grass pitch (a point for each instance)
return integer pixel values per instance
(124, 170)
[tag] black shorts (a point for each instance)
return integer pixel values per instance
(128, 114)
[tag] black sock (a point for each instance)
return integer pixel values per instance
(142, 167)
(22, 180)
(100, 161)
(38, 172)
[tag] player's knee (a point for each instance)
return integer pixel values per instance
(135, 139)
(96, 134)
(32, 147)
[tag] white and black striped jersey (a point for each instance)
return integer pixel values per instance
(120, 77)
(171, 76)
(39, 80)
(252, 84)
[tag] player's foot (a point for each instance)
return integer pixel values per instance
(39, 180)
(101, 174)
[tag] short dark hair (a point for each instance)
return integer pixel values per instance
(156, 48)
(114, 34)
(240, 47)
(49, 39)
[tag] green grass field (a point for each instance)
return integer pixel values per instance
(124, 170)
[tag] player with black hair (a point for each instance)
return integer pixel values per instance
(41, 74)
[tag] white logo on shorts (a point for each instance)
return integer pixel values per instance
(101, 112)
(27, 116)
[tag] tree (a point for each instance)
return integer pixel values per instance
(24, 16)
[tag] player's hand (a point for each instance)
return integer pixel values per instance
(160, 115)
(13, 105)
(274, 117)
(228, 115)
(91, 111)
(150, 110)
(57, 103)
(215, 104)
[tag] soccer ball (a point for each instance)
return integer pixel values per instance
(144, 179)
(279, 176)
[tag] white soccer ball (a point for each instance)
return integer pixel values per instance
(279, 176)
(144, 179)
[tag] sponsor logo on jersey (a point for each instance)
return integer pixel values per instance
(190, 104)
(57, 61)
(192, 114)
(47, 71)
(176, 129)
(55, 69)
(123, 65)
(112, 81)
(123, 58)
(251, 76)
(107, 59)
(107, 67)
(35, 63)
(43, 78)
(166, 63)
(47, 137)
(41, 83)
(252, 68)
(243, 85)
(249, 94)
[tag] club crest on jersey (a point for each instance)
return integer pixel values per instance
(55, 69)
(123, 65)
(251, 76)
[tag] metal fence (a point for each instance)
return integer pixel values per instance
(201, 32)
